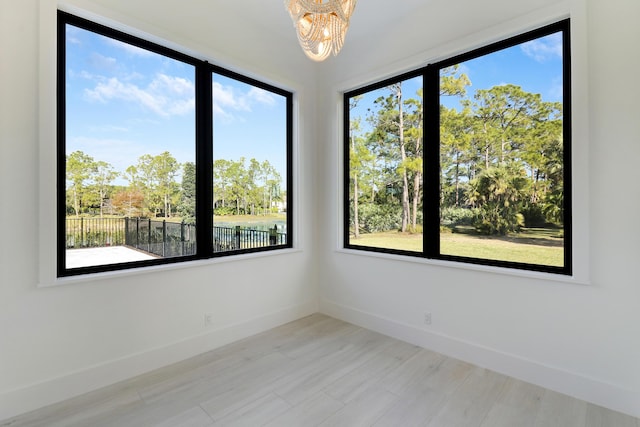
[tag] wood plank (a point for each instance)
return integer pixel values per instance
(414, 409)
(194, 417)
(424, 394)
(364, 410)
(560, 410)
(517, 404)
(411, 375)
(311, 412)
(472, 401)
(302, 383)
(371, 372)
(597, 416)
(87, 409)
(256, 413)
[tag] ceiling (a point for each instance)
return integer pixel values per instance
(257, 36)
(269, 16)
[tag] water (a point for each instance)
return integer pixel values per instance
(255, 225)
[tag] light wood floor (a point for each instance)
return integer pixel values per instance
(322, 371)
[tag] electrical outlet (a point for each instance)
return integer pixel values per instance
(208, 320)
(427, 318)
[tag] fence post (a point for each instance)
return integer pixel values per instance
(237, 237)
(182, 237)
(273, 235)
(126, 231)
(149, 237)
(164, 237)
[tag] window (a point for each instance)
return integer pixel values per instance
(468, 159)
(163, 157)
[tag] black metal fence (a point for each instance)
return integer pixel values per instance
(235, 238)
(162, 238)
(94, 232)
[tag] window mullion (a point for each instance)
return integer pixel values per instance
(61, 146)
(431, 163)
(204, 161)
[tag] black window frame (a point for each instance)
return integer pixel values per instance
(431, 156)
(204, 72)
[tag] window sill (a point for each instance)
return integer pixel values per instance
(548, 277)
(116, 274)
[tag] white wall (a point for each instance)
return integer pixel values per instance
(580, 339)
(59, 341)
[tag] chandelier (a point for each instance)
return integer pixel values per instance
(320, 25)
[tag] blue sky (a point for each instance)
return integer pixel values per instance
(536, 66)
(123, 102)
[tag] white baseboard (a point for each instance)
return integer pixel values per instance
(55, 390)
(550, 377)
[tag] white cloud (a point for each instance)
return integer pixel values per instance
(102, 62)
(82, 74)
(165, 95)
(174, 85)
(120, 153)
(130, 49)
(71, 35)
(545, 48)
(227, 99)
(261, 96)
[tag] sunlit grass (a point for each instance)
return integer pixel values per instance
(532, 246)
(229, 219)
(248, 219)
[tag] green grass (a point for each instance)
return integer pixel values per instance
(241, 219)
(534, 246)
(248, 219)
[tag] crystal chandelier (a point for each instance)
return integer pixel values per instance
(321, 25)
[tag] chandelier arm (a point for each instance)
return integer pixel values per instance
(321, 25)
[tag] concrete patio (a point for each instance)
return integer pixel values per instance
(88, 257)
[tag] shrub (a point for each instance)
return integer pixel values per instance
(533, 216)
(224, 211)
(499, 192)
(492, 223)
(452, 216)
(374, 218)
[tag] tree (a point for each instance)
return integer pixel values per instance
(103, 176)
(221, 182)
(413, 164)
(238, 184)
(456, 130)
(187, 205)
(358, 157)
(79, 168)
(253, 191)
(499, 192)
(164, 171)
(144, 177)
(271, 185)
(390, 131)
(155, 177)
(128, 202)
(453, 82)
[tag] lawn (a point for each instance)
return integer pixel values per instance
(534, 246)
(249, 219)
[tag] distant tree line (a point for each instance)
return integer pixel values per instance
(240, 187)
(501, 159)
